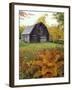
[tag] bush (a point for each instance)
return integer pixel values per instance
(58, 41)
(47, 63)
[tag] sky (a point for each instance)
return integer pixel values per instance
(30, 18)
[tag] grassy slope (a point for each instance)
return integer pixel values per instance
(39, 46)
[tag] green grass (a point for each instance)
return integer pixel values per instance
(39, 46)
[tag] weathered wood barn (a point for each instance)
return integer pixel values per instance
(36, 33)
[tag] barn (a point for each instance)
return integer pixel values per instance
(35, 33)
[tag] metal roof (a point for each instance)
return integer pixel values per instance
(28, 29)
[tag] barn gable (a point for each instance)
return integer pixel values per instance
(35, 33)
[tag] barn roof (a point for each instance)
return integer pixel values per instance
(28, 30)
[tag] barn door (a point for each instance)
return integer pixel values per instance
(33, 38)
(38, 38)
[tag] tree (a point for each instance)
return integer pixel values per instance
(60, 19)
(21, 29)
(42, 19)
(55, 33)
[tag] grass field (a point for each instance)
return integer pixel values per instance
(41, 60)
(39, 46)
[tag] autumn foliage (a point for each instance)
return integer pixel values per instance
(46, 64)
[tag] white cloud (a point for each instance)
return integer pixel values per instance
(32, 18)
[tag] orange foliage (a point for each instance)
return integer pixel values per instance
(49, 63)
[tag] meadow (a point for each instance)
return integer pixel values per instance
(41, 60)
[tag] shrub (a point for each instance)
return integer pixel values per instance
(48, 63)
